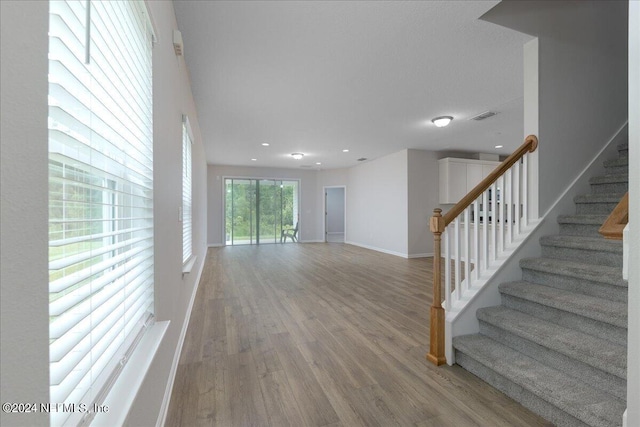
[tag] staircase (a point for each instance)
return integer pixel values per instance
(558, 342)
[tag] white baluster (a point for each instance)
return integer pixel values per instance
(525, 190)
(485, 228)
(494, 222)
(508, 204)
(476, 240)
(500, 215)
(456, 249)
(447, 269)
(516, 202)
(467, 246)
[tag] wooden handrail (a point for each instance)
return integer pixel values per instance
(437, 225)
(617, 220)
(529, 146)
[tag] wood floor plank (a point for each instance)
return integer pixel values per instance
(282, 407)
(246, 402)
(322, 335)
(317, 409)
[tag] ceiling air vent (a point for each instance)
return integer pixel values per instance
(362, 159)
(484, 115)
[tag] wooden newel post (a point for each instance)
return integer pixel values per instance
(436, 328)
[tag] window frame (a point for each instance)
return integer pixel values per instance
(186, 213)
(101, 220)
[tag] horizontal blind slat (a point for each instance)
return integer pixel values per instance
(106, 322)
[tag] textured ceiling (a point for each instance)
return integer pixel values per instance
(320, 77)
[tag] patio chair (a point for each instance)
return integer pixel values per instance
(289, 232)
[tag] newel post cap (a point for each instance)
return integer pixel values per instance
(436, 223)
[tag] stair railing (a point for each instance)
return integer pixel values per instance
(617, 220)
(499, 206)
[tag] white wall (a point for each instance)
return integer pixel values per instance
(633, 367)
(25, 332)
(377, 210)
(582, 48)
(309, 210)
(335, 210)
(171, 98)
(24, 299)
(422, 200)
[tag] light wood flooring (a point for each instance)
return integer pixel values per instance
(322, 335)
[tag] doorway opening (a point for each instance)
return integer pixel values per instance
(335, 214)
(259, 211)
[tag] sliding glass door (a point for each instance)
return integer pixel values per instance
(258, 210)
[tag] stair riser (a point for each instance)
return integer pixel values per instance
(606, 331)
(574, 284)
(586, 230)
(594, 208)
(617, 170)
(518, 393)
(611, 259)
(572, 367)
(623, 153)
(615, 187)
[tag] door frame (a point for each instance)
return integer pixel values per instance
(223, 194)
(324, 210)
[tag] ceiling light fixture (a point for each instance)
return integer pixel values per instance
(346, 150)
(499, 146)
(442, 121)
(318, 163)
(254, 160)
(265, 144)
(297, 156)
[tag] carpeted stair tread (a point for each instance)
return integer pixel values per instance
(598, 198)
(586, 219)
(584, 243)
(602, 310)
(622, 161)
(587, 225)
(587, 404)
(591, 219)
(588, 349)
(609, 179)
(596, 273)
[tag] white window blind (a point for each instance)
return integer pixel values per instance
(100, 195)
(187, 240)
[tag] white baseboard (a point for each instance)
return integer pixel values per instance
(164, 408)
(373, 248)
(335, 232)
(311, 241)
(424, 255)
(215, 245)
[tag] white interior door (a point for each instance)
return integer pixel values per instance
(334, 214)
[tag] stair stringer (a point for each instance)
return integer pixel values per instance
(461, 319)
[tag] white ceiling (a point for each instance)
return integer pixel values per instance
(368, 76)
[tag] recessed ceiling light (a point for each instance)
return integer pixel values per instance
(499, 146)
(442, 121)
(318, 163)
(297, 156)
(346, 150)
(265, 144)
(254, 160)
